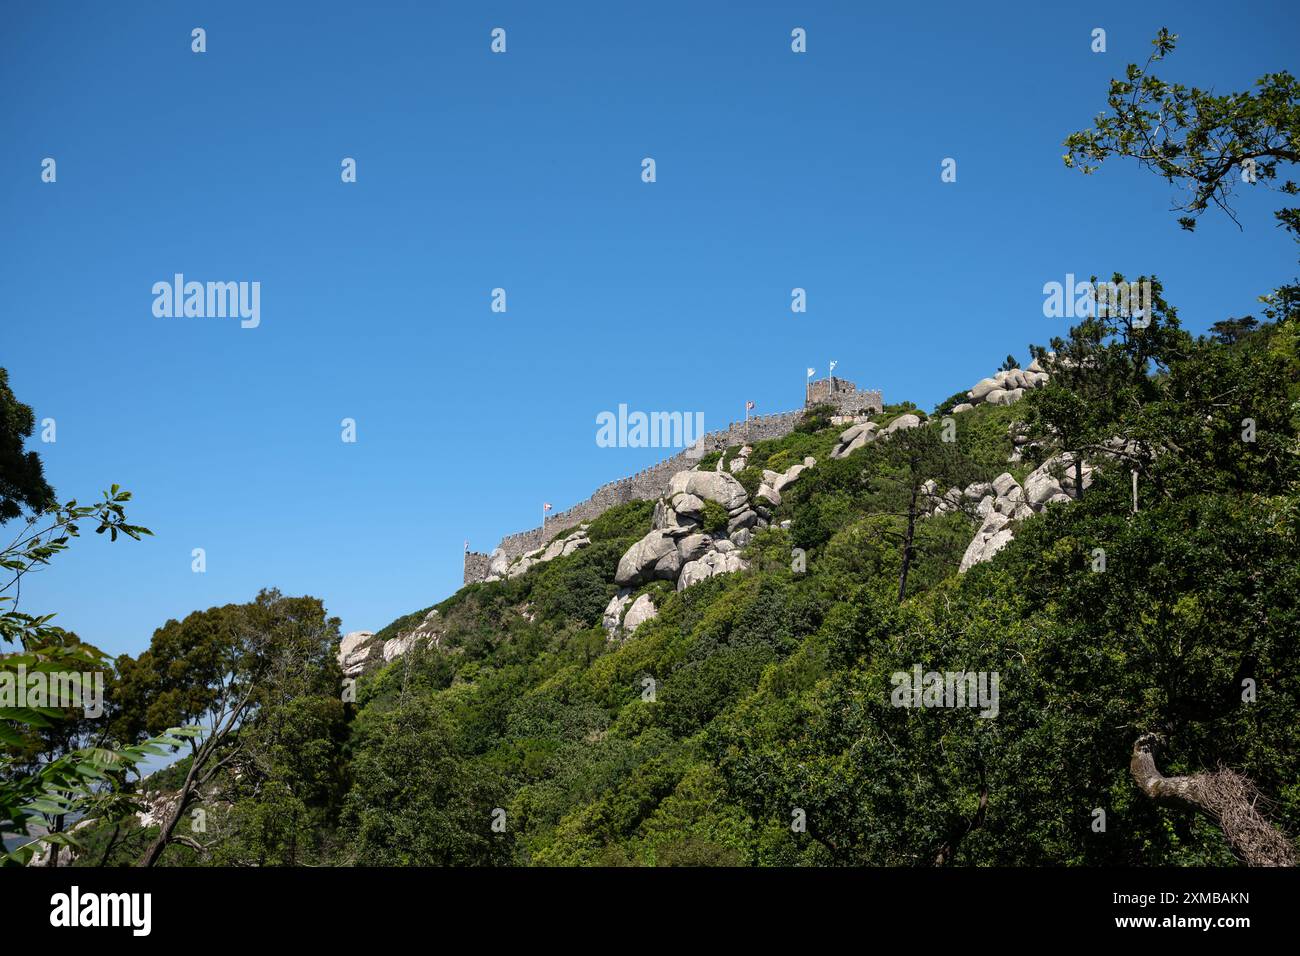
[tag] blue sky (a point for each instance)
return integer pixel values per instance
(522, 171)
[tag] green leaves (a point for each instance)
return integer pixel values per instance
(83, 782)
(1206, 144)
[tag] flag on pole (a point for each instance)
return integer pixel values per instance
(546, 506)
(749, 406)
(812, 372)
(833, 364)
(467, 544)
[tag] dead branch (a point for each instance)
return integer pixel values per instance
(1225, 796)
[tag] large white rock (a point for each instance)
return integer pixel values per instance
(984, 546)
(715, 562)
(643, 609)
(614, 611)
(693, 546)
(688, 506)
(1040, 486)
(714, 485)
(1012, 501)
(498, 562)
(982, 388)
(352, 640)
(902, 422)
(521, 566)
(1003, 483)
(398, 646)
(996, 544)
(746, 519)
(781, 481)
(853, 438)
(574, 543)
(649, 557)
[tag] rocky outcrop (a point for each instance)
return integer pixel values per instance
(359, 651)
(613, 615)
(714, 562)
(354, 651)
(740, 462)
(1005, 387)
(654, 556)
(678, 548)
(499, 565)
(902, 422)
(1007, 501)
(716, 486)
(855, 436)
(643, 609)
(623, 615)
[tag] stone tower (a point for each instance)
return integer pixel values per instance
(844, 396)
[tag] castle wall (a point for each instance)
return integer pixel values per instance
(476, 566)
(644, 485)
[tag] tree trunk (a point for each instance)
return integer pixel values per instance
(907, 547)
(1224, 796)
(56, 827)
(151, 855)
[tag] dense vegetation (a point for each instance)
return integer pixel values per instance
(770, 699)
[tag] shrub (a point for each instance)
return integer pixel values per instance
(715, 518)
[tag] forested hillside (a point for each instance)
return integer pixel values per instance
(752, 720)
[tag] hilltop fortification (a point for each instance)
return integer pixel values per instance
(652, 482)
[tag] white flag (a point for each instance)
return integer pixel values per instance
(833, 364)
(812, 372)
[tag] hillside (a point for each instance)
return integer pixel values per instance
(759, 709)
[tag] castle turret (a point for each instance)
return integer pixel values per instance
(844, 396)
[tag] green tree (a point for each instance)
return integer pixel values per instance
(222, 668)
(53, 764)
(22, 475)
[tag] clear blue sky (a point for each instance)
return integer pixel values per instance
(522, 171)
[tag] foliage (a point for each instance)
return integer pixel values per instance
(22, 476)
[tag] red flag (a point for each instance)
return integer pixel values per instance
(546, 506)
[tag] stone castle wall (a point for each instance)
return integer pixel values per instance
(644, 485)
(846, 397)
(476, 566)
